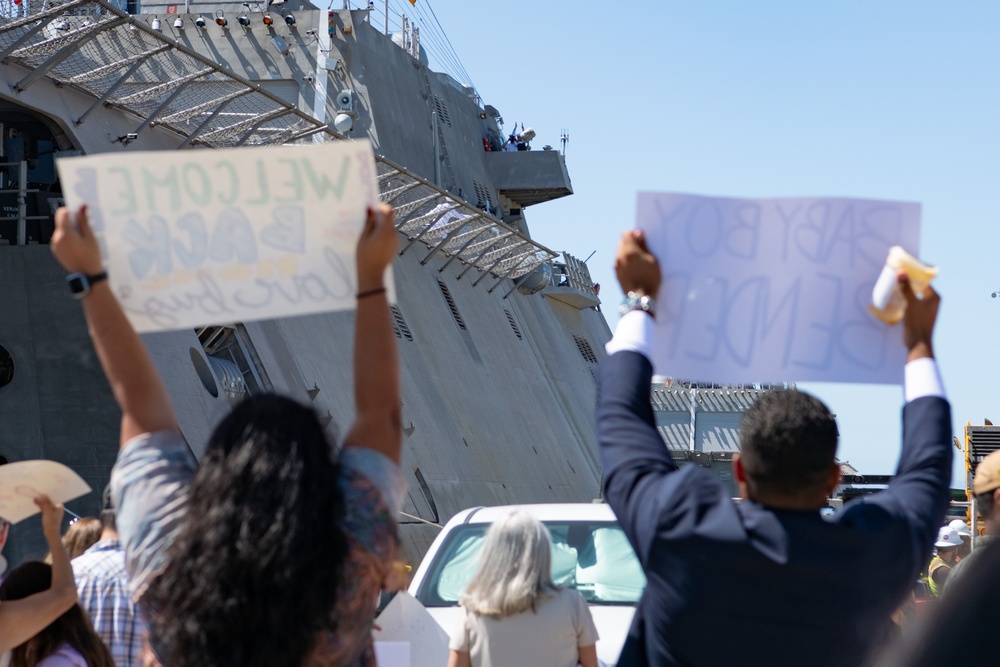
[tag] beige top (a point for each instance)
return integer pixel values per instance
(549, 637)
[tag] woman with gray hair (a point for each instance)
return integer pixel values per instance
(513, 614)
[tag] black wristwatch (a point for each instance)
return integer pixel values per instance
(80, 283)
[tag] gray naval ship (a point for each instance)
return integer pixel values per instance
(499, 335)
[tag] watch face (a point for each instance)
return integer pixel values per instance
(78, 284)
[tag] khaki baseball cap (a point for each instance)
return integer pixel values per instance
(987, 474)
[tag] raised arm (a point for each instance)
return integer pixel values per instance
(633, 455)
(920, 488)
(20, 620)
(924, 474)
(136, 385)
(376, 359)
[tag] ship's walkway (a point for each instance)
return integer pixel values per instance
(121, 62)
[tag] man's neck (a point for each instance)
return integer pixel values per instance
(109, 534)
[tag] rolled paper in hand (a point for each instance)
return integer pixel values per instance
(888, 303)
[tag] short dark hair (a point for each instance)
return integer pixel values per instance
(788, 443)
(984, 504)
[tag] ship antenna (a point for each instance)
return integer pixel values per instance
(564, 138)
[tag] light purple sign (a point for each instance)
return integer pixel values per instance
(774, 290)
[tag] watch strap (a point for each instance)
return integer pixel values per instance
(80, 283)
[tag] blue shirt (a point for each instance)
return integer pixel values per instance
(102, 585)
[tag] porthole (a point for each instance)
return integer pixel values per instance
(204, 372)
(6, 367)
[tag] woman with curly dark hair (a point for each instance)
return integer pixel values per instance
(271, 551)
(69, 641)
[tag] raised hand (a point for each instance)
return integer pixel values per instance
(75, 246)
(918, 319)
(636, 267)
(376, 247)
(51, 517)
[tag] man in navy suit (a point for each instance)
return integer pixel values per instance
(766, 581)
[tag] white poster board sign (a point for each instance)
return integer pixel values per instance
(22, 482)
(207, 236)
(405, 621)
(774, 290)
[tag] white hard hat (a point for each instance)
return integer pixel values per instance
(948, 537)
(961, 527)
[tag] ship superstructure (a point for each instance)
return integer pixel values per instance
(498, 334)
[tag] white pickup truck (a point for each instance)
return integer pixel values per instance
(589, 553)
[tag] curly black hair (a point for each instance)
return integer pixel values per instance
(253, 575)
(788, 443)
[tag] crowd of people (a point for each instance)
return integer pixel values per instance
(227, 561)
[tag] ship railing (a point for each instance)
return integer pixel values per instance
(441, 224)
(572, 272)
(95, 47)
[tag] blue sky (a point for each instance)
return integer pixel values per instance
(890, 100)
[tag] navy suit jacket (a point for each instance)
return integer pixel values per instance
(743, 584)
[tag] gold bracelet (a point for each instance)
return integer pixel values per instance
(371, 292)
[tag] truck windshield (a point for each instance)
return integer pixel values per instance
(595, 558)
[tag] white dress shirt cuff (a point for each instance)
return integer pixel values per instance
(634, 333)
(922, 378)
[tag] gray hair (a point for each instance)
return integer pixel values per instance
(515, 568)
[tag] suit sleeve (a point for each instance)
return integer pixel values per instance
(650, 497)
(919, 492)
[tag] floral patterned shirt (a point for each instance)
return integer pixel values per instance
(150, 485)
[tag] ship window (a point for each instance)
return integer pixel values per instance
(442, 110)
(513, 324)
(6, 367)
(586, 351)
(399, 324)
(232, 355)
(451, 305)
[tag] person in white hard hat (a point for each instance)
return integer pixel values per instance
(966, 535)
(986, 490)
(947, 544)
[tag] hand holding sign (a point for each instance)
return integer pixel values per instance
(191, 238)
(637, 269)
(376, 247)
(74, 243)
(774, 290)
(918, 319)
(51, 517)
(22, 483)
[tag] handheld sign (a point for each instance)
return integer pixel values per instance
(192, 238)
(22, 482)
(774, 290)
